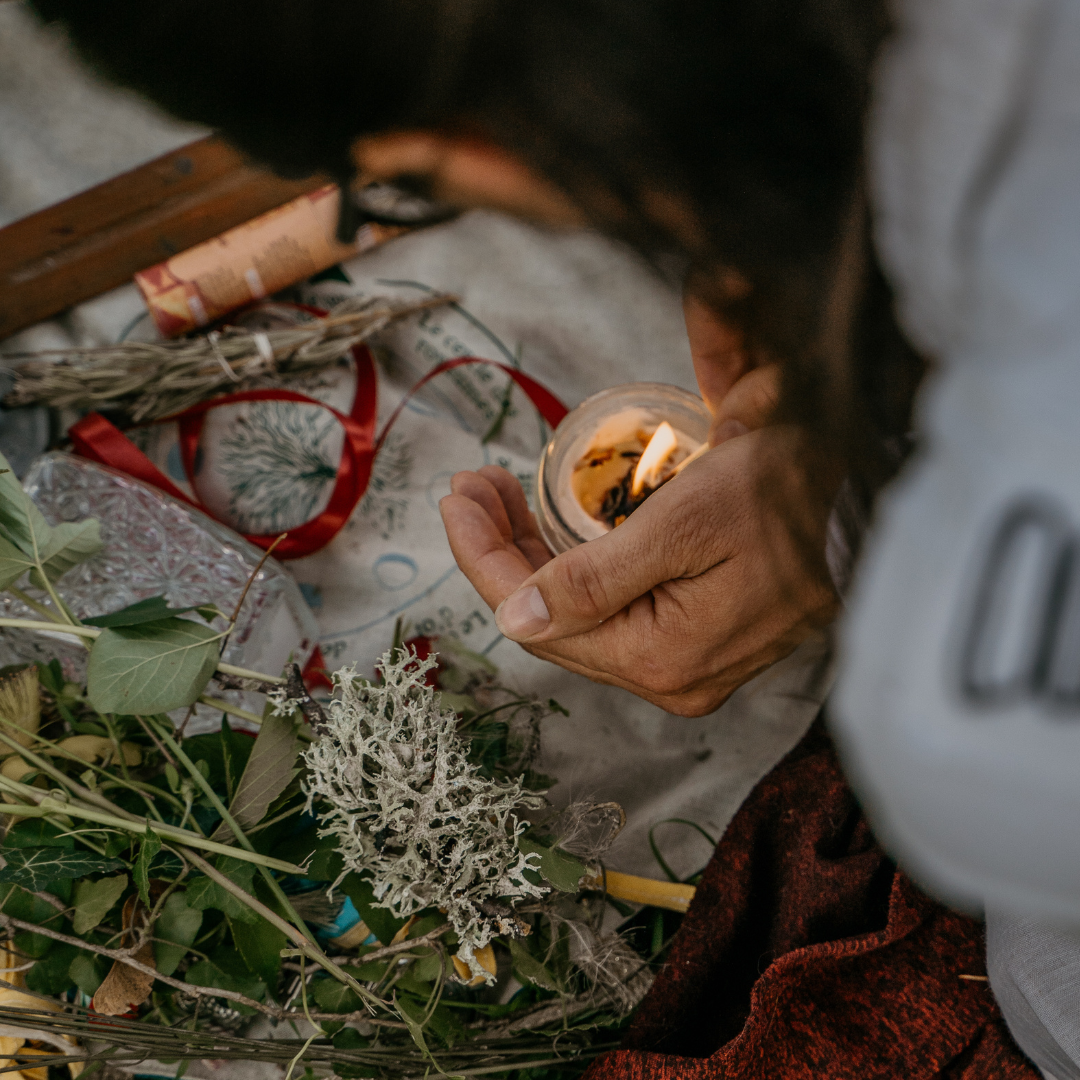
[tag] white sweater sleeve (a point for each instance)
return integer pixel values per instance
(958, 706)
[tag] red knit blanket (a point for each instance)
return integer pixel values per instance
(806, 953)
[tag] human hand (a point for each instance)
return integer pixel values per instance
(716, 576)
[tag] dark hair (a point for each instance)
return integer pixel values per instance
(748, 112)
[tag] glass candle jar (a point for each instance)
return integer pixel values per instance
(598, 444)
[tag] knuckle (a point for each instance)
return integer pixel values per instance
(582, 585)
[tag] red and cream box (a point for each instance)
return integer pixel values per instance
(252, 261)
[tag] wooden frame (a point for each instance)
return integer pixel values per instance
(98, 239)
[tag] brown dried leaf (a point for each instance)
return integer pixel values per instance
(126, 988)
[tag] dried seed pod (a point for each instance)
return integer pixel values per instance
(20, 705)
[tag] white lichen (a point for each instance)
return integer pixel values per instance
(411, 814)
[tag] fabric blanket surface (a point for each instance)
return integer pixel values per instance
(806, 953)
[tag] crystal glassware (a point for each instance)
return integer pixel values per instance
(155, 545)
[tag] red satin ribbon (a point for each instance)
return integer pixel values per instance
(96, 438)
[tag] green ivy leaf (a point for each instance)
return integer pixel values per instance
(556, 867)
(94, 900)
(35, 868)
(224, 969)
(70, 543)
(529, 969)
(347, 1038)
(148, 849)
(51, 974)
(37, 832)
(334, 997)
(152, 609)
(267, 774)
(152, 668)
(88, 971)
(21, 904)
(260, 945)
(372, 972)
(174, 932)
(204, 893)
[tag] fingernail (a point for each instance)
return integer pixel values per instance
(522, 614)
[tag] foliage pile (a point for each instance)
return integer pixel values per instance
(191, 888)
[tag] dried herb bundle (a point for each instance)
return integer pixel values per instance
(157, 379)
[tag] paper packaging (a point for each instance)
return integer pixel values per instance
(254, 260)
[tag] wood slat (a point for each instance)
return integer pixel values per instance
(98, 239)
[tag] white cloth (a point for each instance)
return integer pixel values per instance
(1034, 969)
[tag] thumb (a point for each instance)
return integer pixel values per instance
(576, 591)
(750, 404)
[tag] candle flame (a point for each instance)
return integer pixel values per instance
(660, 448)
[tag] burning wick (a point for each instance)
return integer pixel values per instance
(651, 463)
(624, 466)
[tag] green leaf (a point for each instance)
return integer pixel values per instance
(334, 997)
(556, 867)
(25, 530)
(326, 864)
(35, 868)
(529, 969)
(235, 751)
(152, 609)
(150, 846)
(174, 932)
(13, 563)
(20, 519)
(260, 945)
(152, 668)
(204, 893)
(33, 945)
(37, 832)
(447, 1026)
(412, 1012)
(94, 900)
(348, 1038)
(224, 969)
(427, 968)
(51, 974)
(70, 543)
(88, 971)
(380, 921)
(372, 972)
(267, 774)
(21, 904)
